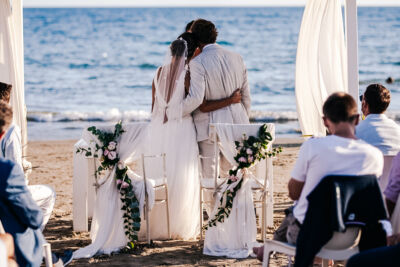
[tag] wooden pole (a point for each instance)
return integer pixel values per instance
(352, 48)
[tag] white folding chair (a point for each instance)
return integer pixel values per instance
(209, 185)
(160, 183)
(340, 248)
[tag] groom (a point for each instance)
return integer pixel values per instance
(215, 74)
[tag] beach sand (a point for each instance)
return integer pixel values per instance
(52, 162)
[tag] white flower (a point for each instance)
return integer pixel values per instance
(242, 159)
(112, 155)
(121, 165)
(249, 151)
(112, 145)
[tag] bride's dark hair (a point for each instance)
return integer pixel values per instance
(191, 41)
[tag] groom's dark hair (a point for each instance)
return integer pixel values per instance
(204, 31)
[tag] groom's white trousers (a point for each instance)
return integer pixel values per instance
(207, 149)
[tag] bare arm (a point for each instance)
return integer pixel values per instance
(295, 188)
(212, 105)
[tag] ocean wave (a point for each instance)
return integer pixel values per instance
(142, 115)
(147, 66)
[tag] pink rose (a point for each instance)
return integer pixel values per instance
(112, 155)
(249, 151)
(233, 178)
(242, 159)
(124, 185)
(112, 145)
(106, 152)
(250, 159)
(119, 181)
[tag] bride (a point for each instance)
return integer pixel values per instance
(168, 133)
(175, 135)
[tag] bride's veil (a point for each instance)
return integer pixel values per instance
(169, 84)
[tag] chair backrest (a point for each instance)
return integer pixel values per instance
(227, 134)
(339, 241)
(158, 163)
(387, 165)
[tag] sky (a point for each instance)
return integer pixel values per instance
(165, 3)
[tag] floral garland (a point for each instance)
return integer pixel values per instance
(249, 151)
(109, 158)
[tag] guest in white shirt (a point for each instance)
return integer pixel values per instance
(11, 149)
(377, 129)
(340, 153)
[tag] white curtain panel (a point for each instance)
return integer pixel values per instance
(321, 62)
(12, 59)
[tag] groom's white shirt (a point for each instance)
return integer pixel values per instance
(215, 74)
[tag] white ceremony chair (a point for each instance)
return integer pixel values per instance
(48, 260)
(84, 191)
(340, 248)
(387, 165)
(209, 185)
(161, 186)
(262, 183)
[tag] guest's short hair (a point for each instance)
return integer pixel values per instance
(6, 116)
(5, 92)
(204, 31)
(191, 42)
(188, 26)
(377, 97)
(340, 107)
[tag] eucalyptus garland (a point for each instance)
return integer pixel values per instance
(109, 159)
(249, 151)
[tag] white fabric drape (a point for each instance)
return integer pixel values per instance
(321, 62)
(12, 60)
(236, 236)
(107, 231)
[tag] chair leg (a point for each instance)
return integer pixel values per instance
(263, 221)
(201, 214)
(267, 255)
(48, 260)
(167, 206)
(146, 210)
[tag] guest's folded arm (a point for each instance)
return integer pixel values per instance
(19, 199)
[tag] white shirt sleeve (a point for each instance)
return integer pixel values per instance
(13, 149)
(197, 88)
(300, 169)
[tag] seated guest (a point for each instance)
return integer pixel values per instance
(393, 188)
(337, 154)
(19, 214)
(11, 149)
(377, 129)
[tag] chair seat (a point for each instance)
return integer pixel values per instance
(209, 183)
(157, 181)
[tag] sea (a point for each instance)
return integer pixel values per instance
(94, 66)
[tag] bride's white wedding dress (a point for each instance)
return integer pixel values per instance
(176, 137)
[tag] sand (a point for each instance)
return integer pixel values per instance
(52, 162)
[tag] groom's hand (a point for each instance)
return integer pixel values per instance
(236, 96)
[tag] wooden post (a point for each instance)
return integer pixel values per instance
(352, 49)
